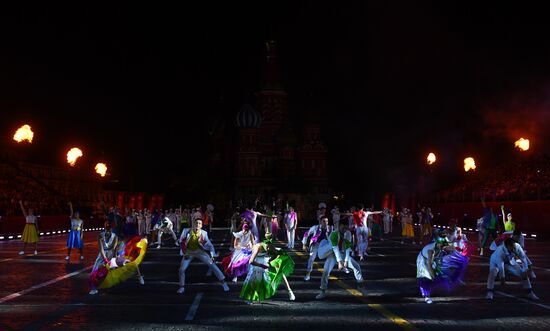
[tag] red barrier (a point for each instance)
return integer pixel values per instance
(120, 201)
(153, 203)
(139, 201)
(132, 202)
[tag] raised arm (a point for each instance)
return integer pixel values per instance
(503, 216)
(23, 208)
(71, 208)
(374, 212)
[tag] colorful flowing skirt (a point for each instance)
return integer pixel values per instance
(30, 234)
(103, 276)
(261, 284)
(449, 271)
(453, 266)
(74, 240)
(237, 264)
(408, 231)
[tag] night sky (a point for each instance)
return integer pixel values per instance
(387, 81)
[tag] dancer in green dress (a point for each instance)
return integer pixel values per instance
(269, 266)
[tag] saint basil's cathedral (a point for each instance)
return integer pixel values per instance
(267, 155)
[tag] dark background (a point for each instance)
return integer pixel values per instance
(140, 85)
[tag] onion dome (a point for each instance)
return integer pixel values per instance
(247, 117)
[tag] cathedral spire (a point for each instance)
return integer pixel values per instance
(271, 79)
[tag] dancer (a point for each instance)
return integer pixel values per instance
(268, 267)
(504, 259)
(509, 225)
(142, 226)
(439, 265)
(520, 239)
(480, 233)
(209, 217)
(489, 225)
(360, 219)
(427, 219)
(458, 239)
(387, 220)
(407, 224)
(274, 223)
(194, 244)
(291, 223)
(311, 241)
(75, 234)
(236, 264)
(148, 218)
(116, 261)
(107, 242)
(166, 226)
(340, 241)
(251, 216)
(30, 232)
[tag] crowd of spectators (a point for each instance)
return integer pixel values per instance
(46, 194)
(525, 180)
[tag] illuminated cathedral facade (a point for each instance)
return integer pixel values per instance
(270, 155)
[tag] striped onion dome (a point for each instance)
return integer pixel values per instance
(247, 117)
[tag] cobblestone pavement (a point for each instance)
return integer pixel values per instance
(43, 292)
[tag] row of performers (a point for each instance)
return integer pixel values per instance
(264, 265)
(442, 263)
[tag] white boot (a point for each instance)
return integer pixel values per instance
(291, 296)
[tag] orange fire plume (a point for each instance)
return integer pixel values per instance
(23, 133)
(72, 155)
(522, 144)
(469, 164)
(101, 169)
(431, 158)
